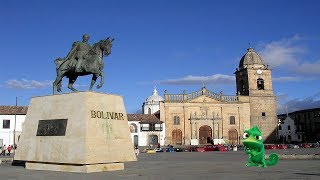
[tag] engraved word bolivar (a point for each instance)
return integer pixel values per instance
(106, 115)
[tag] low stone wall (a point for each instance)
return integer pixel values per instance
(296, 156)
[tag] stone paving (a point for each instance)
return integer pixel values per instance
(185, 165)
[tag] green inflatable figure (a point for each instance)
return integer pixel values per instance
(254, 147)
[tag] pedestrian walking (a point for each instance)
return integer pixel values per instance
(136, 151)
(9, 150)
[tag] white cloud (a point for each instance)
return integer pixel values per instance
(27, 84)
(196, 80)
(282, 53)
(312, 68)
(286, 79)
(290, 55)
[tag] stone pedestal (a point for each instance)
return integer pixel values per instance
(76, 132)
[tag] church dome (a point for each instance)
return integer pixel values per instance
(154, 97)
(251, 58)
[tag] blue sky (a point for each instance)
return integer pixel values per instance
(175, 45)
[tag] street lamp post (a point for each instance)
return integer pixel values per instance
(15, 122)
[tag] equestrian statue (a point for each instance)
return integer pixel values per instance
(83, 59)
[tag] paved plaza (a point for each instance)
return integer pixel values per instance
(185, 165)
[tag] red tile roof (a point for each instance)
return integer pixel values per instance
(144, 118)
(11, 110)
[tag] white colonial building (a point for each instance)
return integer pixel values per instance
(287, 131)
(147, 129)
(11, 121)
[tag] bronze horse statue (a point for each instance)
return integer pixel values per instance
(92, 64)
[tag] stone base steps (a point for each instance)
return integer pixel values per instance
(281, 156)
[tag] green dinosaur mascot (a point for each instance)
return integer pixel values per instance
(252, 140)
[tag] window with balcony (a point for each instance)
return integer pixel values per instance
(151, 127)
(144, 127)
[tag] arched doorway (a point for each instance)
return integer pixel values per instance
(289, 139)
(205, 134)
(233, 136)
(135, 140)
(177, 137)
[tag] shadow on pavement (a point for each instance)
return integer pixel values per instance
(18, 163)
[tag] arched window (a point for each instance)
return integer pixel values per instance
(242, 86)
(149, 110)
(133, 128)
(289, 127)
(176, 120)
(232, 120)
(280, 127)
(260, 84)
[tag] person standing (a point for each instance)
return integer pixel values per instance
(136, 150)
(9, 150)
(4, 148)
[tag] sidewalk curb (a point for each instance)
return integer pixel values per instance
(6, 160)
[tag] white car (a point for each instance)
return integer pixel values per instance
(158, 149)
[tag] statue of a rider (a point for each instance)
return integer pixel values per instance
(77, 53)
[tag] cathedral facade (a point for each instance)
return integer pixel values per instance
(204, 116)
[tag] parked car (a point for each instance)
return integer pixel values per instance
(191, 149)
(292, 146)
(282, 146)
(210, 148)
(222, 148)
(178, 149)
(270, 146)
(200, 149)
(304, 145)
(170, 149)
(158, 149)
(150, 151)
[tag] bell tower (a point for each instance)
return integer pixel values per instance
(253, 79)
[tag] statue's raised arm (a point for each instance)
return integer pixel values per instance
(83, 59)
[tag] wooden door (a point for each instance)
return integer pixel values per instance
(233, 136)
(177, 137)
(205, 134)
